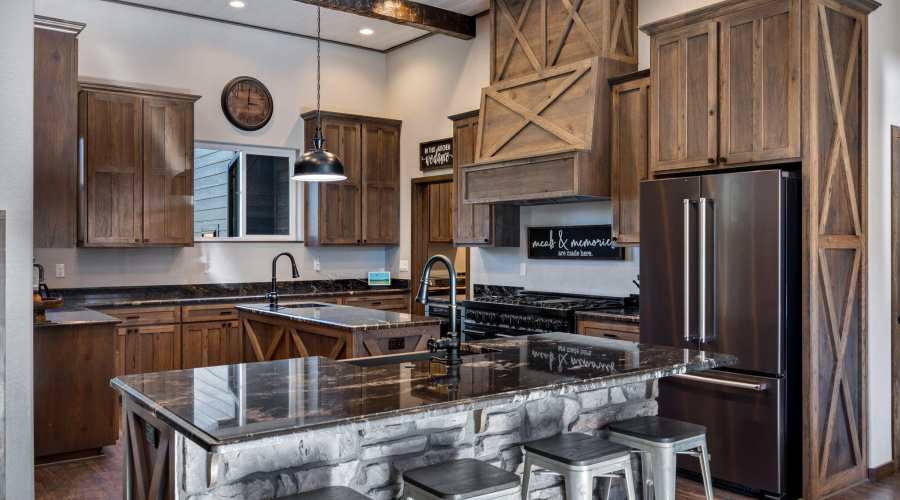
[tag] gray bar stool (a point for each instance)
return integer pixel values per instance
(328, 493)
(580, 458)
(465, 479)
(663, 438)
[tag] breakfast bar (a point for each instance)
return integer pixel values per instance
(265, 430)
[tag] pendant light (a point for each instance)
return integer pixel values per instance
(318, 165)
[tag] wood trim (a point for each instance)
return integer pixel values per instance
(433, 179)
(407, 13)
(467, 114)
(628, 77)
(895, 291)
(133, 91)
(54, 24)
(882, 471)
(311, 114)
(240, 25)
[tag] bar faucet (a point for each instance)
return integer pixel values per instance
(451, 343)
(272, 297)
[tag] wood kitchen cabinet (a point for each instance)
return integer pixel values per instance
(440, 212)
(55, 132)
(477, 225)
(364, 209)
(150, 349)
(727, 91)
(629, 154)
(137, 165)
(618, 330)
(212, 343)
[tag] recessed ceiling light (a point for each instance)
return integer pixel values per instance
(366, 31)
(237, 4)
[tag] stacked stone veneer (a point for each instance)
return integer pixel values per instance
(371, 456)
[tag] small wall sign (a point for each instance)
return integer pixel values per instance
(436, 154)
(573, 243)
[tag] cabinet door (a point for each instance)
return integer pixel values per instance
(684, 101)
(113, 174)
(339, 202)
(440, 212)
(168, 172)
(760, 78)
(381, 185)
(210, 344)
(629, 162)
(150, 349)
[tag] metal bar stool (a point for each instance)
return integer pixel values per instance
(663, 439)
(328, 493)
(465, 479)
(580, 458)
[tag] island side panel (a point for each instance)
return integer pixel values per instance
(148, 455)
(370, 456)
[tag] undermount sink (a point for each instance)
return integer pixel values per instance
(395, 359)
(296, 305)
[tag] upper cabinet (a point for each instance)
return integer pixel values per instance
(477, 225)
(530, 35)
(55, 132)
(629, 153)
(440, 212)
(727, 90)
(364, 209)
(137, 165)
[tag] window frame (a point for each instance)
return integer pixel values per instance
(294, 192)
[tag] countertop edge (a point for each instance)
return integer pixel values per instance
(237, 298)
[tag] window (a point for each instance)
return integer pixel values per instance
(243, 193)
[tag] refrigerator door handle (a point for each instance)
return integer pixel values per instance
(705, 203)
(687, 268)
(729, 383)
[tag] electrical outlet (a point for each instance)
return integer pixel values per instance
(207, 267)
(317, 265)
(404, 266)
(522, 269)
(60, 270)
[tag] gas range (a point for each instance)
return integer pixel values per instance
(527, 313)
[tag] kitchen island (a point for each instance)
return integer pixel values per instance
(337, 332)
(269, 429)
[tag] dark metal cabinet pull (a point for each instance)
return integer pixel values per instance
(723, 160)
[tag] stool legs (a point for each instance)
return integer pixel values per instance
(526, 477)
(629, 482)
(704, 468)
(663, 465)
(579, 485)
(646, 475)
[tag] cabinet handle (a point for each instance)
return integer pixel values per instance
(132, 317)
(486, 240)
(146, 240)
(723, 160)
(610, 335)
(376, 303)
(137, 240)
(615, 239)
(223, 313)
(711, 161)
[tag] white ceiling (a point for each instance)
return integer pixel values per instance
(298, 18)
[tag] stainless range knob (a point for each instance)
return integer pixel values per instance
(539, 324)
(557, 325)
(491, 317)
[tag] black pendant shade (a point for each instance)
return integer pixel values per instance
(318, 165)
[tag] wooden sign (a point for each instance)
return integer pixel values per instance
(436, 154)
(573, 243)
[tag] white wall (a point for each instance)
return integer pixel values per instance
(440, 76)
(16, 167)
(884, 110)
(143, 48)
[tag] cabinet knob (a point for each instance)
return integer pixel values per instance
(364, 241)
(615, 239)
(357, 242)
(146, 240)
(723, 160)
(137, 240)
(486, 240)
(711, 161)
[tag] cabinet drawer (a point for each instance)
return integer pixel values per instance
(217, 312)
(146, 315)
(383, 302)
(610, 329)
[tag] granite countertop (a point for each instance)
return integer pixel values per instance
(625, 314)
(75, 315)
(218, 407)
(344, 317)
(159, 295)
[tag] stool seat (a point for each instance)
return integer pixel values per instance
(658, 429)
(461, 479)
(328, 493)
(577, 449)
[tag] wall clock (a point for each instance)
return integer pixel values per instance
(247, 103)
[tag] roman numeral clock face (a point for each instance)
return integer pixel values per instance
(247, 103)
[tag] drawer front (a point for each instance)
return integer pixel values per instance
(218, 312)
(134, 316)
(399, 303)
(610, 330)
(610, 334)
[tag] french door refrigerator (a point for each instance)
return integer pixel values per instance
(720, 272)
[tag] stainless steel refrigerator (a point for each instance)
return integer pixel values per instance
(720, 272)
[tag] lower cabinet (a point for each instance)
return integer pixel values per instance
(148, 349)
(394, 303)
(210, 344)
(618, 330)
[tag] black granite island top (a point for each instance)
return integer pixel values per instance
(343, 317)
(76, 316)
(221, 408)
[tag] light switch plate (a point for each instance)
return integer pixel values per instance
(317, 265)
(522, 269)
(404, 266)
(207, 267)
(60, 270)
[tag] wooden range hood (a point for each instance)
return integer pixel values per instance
(545, 120)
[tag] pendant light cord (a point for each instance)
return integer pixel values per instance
(319, 69)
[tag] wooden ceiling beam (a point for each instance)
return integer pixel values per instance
(407, 13)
